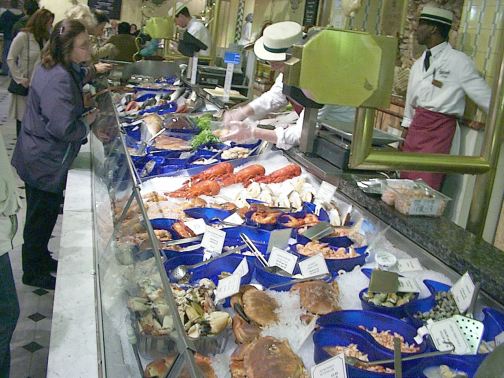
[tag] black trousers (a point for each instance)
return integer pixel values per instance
(9, 313)
(42, 209)
(18, 127)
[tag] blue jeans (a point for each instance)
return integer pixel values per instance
(9, 313)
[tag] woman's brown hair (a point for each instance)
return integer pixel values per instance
(61, 41)
(37, 25)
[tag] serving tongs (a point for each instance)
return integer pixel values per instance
(262, 260)
(170, 243)
(353, 361)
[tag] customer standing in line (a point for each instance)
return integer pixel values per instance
(7, 20)
(54, 127)
(9, 306)
(24, 55)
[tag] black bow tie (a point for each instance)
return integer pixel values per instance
(426, 62)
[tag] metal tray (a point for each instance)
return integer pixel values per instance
(345, 130)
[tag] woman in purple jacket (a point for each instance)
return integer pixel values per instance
(52, 133)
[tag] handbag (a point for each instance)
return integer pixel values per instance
(16, 88)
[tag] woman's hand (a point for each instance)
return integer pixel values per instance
(90, 117)
(102, 67)
(25, 82)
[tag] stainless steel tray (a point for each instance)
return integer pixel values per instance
(345, 131)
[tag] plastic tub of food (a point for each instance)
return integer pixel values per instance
(414, 198)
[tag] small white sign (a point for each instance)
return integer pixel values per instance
(279, 239)
(463, 291)
(198, 226)
(194, 69)
(306, 333)
(227, 81)
(242, 269)
(284, 260)
(313, 266)
(227, 286)
(213, 240)
(408, 285)
(408, 265)
(445, 331)
(234, 218)
(499, 339)
(326, 192)
(334, 367)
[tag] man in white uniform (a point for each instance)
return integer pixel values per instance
(437, 85)
(273, 47)
(192, 26)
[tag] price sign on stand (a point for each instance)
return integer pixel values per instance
(408, 265)
(332, 368)
(227, 287)
(284, 260)
(279, 239)
(198, 226)
(463, 291)
(313, 266)
(194, 69)
(325, 192)
(213, 240)
(230, 58)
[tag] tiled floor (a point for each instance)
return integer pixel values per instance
(30, 343)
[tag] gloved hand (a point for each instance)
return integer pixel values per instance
(240, 131)
(233, 115)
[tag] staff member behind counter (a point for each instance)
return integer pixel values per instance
(240, 124)
(193, 26)
(438, 82)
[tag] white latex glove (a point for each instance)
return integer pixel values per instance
(233, 115)
(240, 131)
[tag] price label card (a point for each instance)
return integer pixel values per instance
(334, 367)
(232, 57)
(242, 269)
(284, 260)
(325, 192)
(213, 240)
(313, 266)
(234, 218)
(227, 286)
(463, 291)
(499, 339)
(408, 265)
(445, 331)
(408, 285)
(198, 226)
(279, 239)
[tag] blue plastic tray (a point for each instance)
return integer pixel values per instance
(370, 319)
(424, 304)
(466, 363)
(493, 322)
(335, 265)
(209, 215)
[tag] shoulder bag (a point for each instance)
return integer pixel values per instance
(16, 88)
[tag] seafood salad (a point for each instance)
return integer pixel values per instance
(352, 350)
(314, 247)
(386, 338)
(388, 299)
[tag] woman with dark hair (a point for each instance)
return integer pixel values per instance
(23, 56)
(54, 127)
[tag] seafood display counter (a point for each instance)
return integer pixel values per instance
(249, 265)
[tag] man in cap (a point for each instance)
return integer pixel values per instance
(273, 47)
(192, 25)
(438, 83)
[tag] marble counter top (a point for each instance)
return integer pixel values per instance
(453, 245)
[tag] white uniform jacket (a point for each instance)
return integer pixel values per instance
(199, 31)
(455, 76)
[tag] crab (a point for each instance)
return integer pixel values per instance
(256, 309)
(160, 367)
(318, 297)
(266, 357)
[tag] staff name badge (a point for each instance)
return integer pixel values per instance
(334, 367)
(213, 240)
(313, 266)
(284, 260)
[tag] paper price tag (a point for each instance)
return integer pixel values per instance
(408, 265)
(463, 291)
(234, 218)
(227, 286)
(424, 207)
(279, 239)
(325, 192)
(408, 285)
(284, 260)
(213, 240)
(447, 330)
(313, 266)
(334, 367)
(499, 339)
(242, 269)
(198, 226)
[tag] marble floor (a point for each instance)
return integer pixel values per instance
(30, 343)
